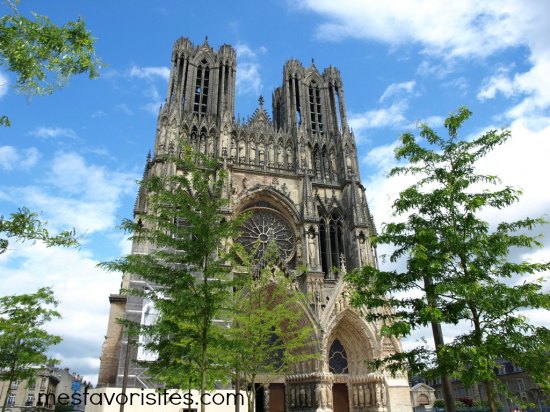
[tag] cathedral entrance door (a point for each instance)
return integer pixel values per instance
(277, 397)
(340, 399)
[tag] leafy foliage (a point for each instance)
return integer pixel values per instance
(43, 55)
(185, 234)
(23, 341)
(25, 225)
(457, 265)
(266, 334)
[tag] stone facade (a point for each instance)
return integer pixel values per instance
(37, 394)
(297, 172)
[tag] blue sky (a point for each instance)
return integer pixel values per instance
(75, 156)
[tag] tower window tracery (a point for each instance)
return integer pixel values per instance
(201, 88)
(315, 108)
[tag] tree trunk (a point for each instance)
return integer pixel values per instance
(237, 391)
(490, 391)
(5, 404)
(251, 398)
(445, 380)
(487, 384)
(439, 343)
(203, 388)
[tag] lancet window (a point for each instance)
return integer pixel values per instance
(315, 108)
(331, 238)
(201, 89)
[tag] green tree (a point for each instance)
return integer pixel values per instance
(25, 225)
(42, 55)
(457, 264)
(23, 341)
(187, 261)
(267, 335)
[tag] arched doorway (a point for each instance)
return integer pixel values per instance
(338, 365)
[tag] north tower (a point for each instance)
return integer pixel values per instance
(298, 170)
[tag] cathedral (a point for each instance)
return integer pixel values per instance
(296, 172)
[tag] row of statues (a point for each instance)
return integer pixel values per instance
(363, 395)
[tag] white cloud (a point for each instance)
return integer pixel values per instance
(398, 89)
(448, 31)
(152, 107)
(500, 82)
(12, 158)
(98, 113)
(150, 73)
(77, 283)
(465, 28)
(392, 116)
(249, 80)
(4, 84)
(53, 132)
(243, 51)
(76, 194)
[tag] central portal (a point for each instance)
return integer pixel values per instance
(340, 399)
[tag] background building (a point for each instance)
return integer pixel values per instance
(297, 173)
(515, 379)
(35, 394)
(39, 393)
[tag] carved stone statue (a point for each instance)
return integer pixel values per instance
(202, 147)
(241, 149)
(210, 147)
(312, 249)
(252, 152)
(323, 396)
(262, 153)
(378, 394)
(363, 250)
(280, 158)
(289, 155)
(162, 135)
(271, 154)
(233, 149)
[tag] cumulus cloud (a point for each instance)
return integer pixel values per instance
(150, 73)
(72, 192)
(77, 283)
(12, 158)
(249, 80)
(398, 89)
(392, 116)
(465, 29)
(76, 194)
(53, 132)
(457, 30)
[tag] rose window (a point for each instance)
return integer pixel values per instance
(265, 226)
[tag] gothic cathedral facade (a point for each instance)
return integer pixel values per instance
(297, 174)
